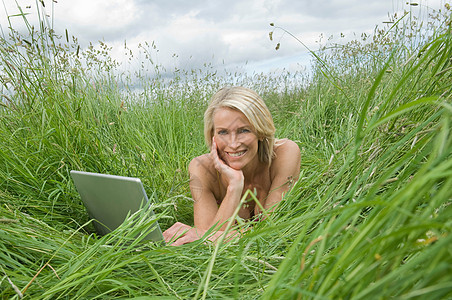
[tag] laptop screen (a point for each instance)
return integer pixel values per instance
(109, 199)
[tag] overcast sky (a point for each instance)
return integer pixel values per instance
(223, 33)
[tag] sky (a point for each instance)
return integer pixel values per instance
(232, 34)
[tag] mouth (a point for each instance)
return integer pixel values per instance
(236, 154)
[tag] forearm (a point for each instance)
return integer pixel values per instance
(227, 208)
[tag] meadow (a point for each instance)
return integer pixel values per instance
(370, 216)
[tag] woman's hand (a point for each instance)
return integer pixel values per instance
(180, 234)
(234, 178)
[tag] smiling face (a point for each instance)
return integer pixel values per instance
(237, 143)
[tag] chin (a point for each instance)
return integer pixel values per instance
(235, 165)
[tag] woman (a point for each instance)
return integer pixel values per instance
(244, 155)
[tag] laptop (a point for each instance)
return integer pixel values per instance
(109, 199)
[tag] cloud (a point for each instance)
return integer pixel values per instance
(191, 33)
(108, 20)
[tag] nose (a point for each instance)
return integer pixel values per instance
(234, 141)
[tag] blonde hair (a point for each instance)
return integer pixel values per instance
(253, 107)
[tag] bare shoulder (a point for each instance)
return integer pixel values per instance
(286, 148)
(287, 159)
(203, 179)
(202, 166)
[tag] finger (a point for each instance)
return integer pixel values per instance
(190, 236)
(176, 231)
(176, 237)
(214, 144)
(172, 230)
(214, 149)
(218, 163)
(181, 241)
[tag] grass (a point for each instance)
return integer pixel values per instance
(370, 216)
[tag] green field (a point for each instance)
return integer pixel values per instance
(370, 216)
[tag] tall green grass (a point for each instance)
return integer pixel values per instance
(370, 216)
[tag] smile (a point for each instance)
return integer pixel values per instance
(236, 154)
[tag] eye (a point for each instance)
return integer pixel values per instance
(243, 130)
(222, 132)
